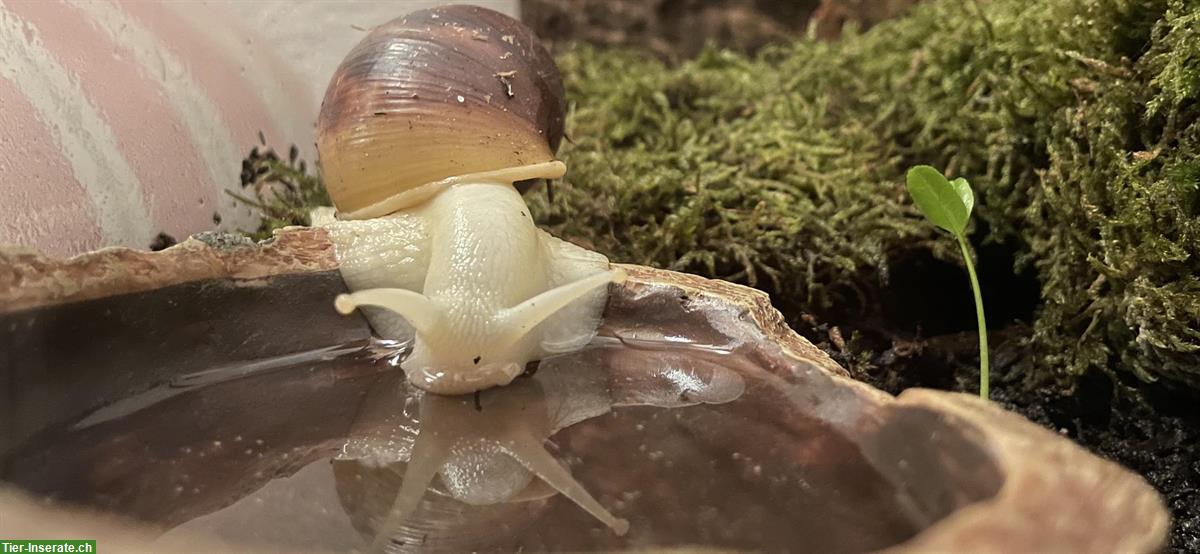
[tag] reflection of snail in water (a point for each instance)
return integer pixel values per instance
(488, 454)
(424, 129)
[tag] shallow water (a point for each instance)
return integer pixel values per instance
(688, 442)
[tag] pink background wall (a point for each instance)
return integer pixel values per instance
(120, 120)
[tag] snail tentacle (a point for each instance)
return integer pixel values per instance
(428, 455)
(418, 309)
(522, 318)
(533, 455)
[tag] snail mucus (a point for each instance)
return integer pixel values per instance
(424, 128)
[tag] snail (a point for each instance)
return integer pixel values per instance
(423, 130)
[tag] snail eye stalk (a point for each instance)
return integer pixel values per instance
(421, 312)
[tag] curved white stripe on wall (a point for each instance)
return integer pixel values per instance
(87, 142)
(200, 116)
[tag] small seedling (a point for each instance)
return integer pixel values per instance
(948, 205)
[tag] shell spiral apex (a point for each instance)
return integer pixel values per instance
(436, 94)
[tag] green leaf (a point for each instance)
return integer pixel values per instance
(963, 188)
(940, 202)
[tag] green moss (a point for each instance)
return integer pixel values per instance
(1078, 122)
(731, 168)
(282, 191)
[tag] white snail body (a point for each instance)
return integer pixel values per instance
(424, 129)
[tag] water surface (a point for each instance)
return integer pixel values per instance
(693, 444)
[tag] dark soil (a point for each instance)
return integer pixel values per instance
(162, 241)
(1151, 429)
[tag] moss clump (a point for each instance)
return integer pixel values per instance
(732, 168)
(282, 191)
(1079, 123)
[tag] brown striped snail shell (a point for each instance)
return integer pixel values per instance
(437, 94)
